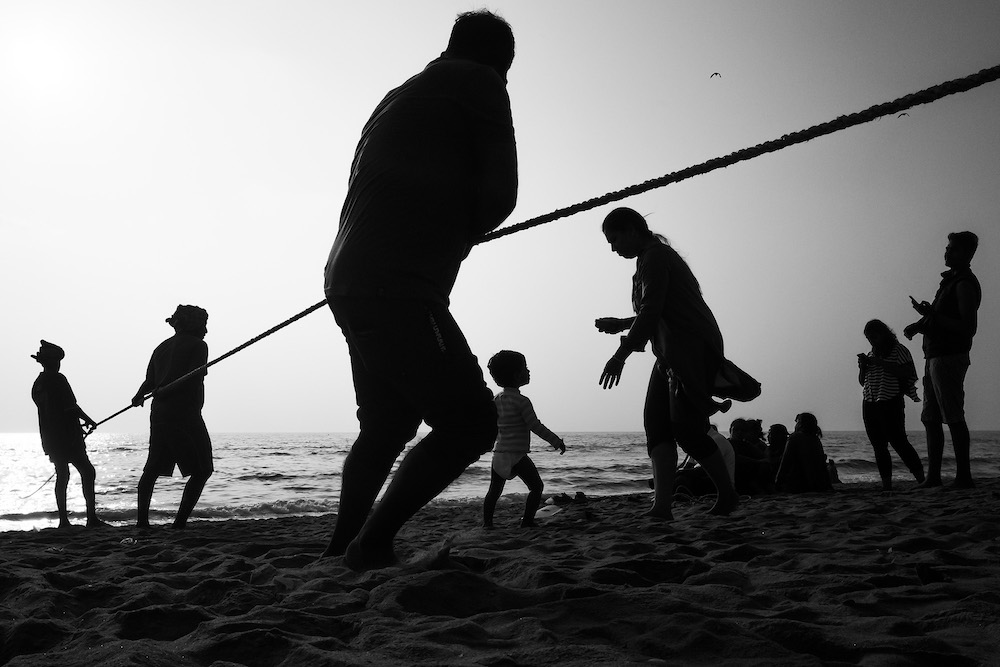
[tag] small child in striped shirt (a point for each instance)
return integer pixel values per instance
(516, 421)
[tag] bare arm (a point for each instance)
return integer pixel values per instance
(146, 387)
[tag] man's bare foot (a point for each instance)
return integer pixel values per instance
(724, 505)
(332, 551)
(360, 558)
(655, 512)
(64, 525)
(962, 484)
(929, 483)
(97, 523)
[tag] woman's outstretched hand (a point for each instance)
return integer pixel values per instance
(611, 325)
(612, 373)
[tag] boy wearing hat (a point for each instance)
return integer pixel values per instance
(59, 424)
(177, 432)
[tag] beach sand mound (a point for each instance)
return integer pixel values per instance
(845, 578)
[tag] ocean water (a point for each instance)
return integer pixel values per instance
(260, 475)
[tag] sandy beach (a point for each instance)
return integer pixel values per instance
(849, 578)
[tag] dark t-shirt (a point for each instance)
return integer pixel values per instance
(938, 341)
(409, 215)
(58, 415)
(173, 358)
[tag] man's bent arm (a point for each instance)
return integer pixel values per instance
(497, 191)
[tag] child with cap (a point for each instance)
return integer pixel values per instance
(59, 424)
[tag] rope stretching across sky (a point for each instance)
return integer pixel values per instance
(924, 96)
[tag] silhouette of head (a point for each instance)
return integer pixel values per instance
(627, 232)
(961, 249)
(484, 37)
(189, 320)
(508, 368)
(48, 354)
(777, 434)
(806, 422)
(625, 219)
(880, 335)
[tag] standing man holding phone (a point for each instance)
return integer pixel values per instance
(948, 326)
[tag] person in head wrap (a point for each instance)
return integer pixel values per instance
(59, 424)
(177, 433)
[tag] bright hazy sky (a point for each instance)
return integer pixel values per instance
(197, 152)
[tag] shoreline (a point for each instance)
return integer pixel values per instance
(849, 577)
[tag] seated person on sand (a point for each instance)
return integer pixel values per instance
(692, 480)
(803, 466)
(62, 434)
(777, 436)
(754, 475)
(516, 421)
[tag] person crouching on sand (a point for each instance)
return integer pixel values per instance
(59, 424)
(516, 421)
(177, 432)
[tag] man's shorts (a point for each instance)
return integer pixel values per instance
(74, 453)
(944, 389)
(181, 442)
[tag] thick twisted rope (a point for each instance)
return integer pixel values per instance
(204, 367)
(841, 122)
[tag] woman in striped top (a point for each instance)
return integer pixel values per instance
(516, 421)
(886, 373)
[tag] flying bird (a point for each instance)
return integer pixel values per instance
(902, 114)
(715, 74)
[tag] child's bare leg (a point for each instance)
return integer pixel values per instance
(528, 473)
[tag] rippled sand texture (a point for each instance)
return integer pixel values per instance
(850, 577)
